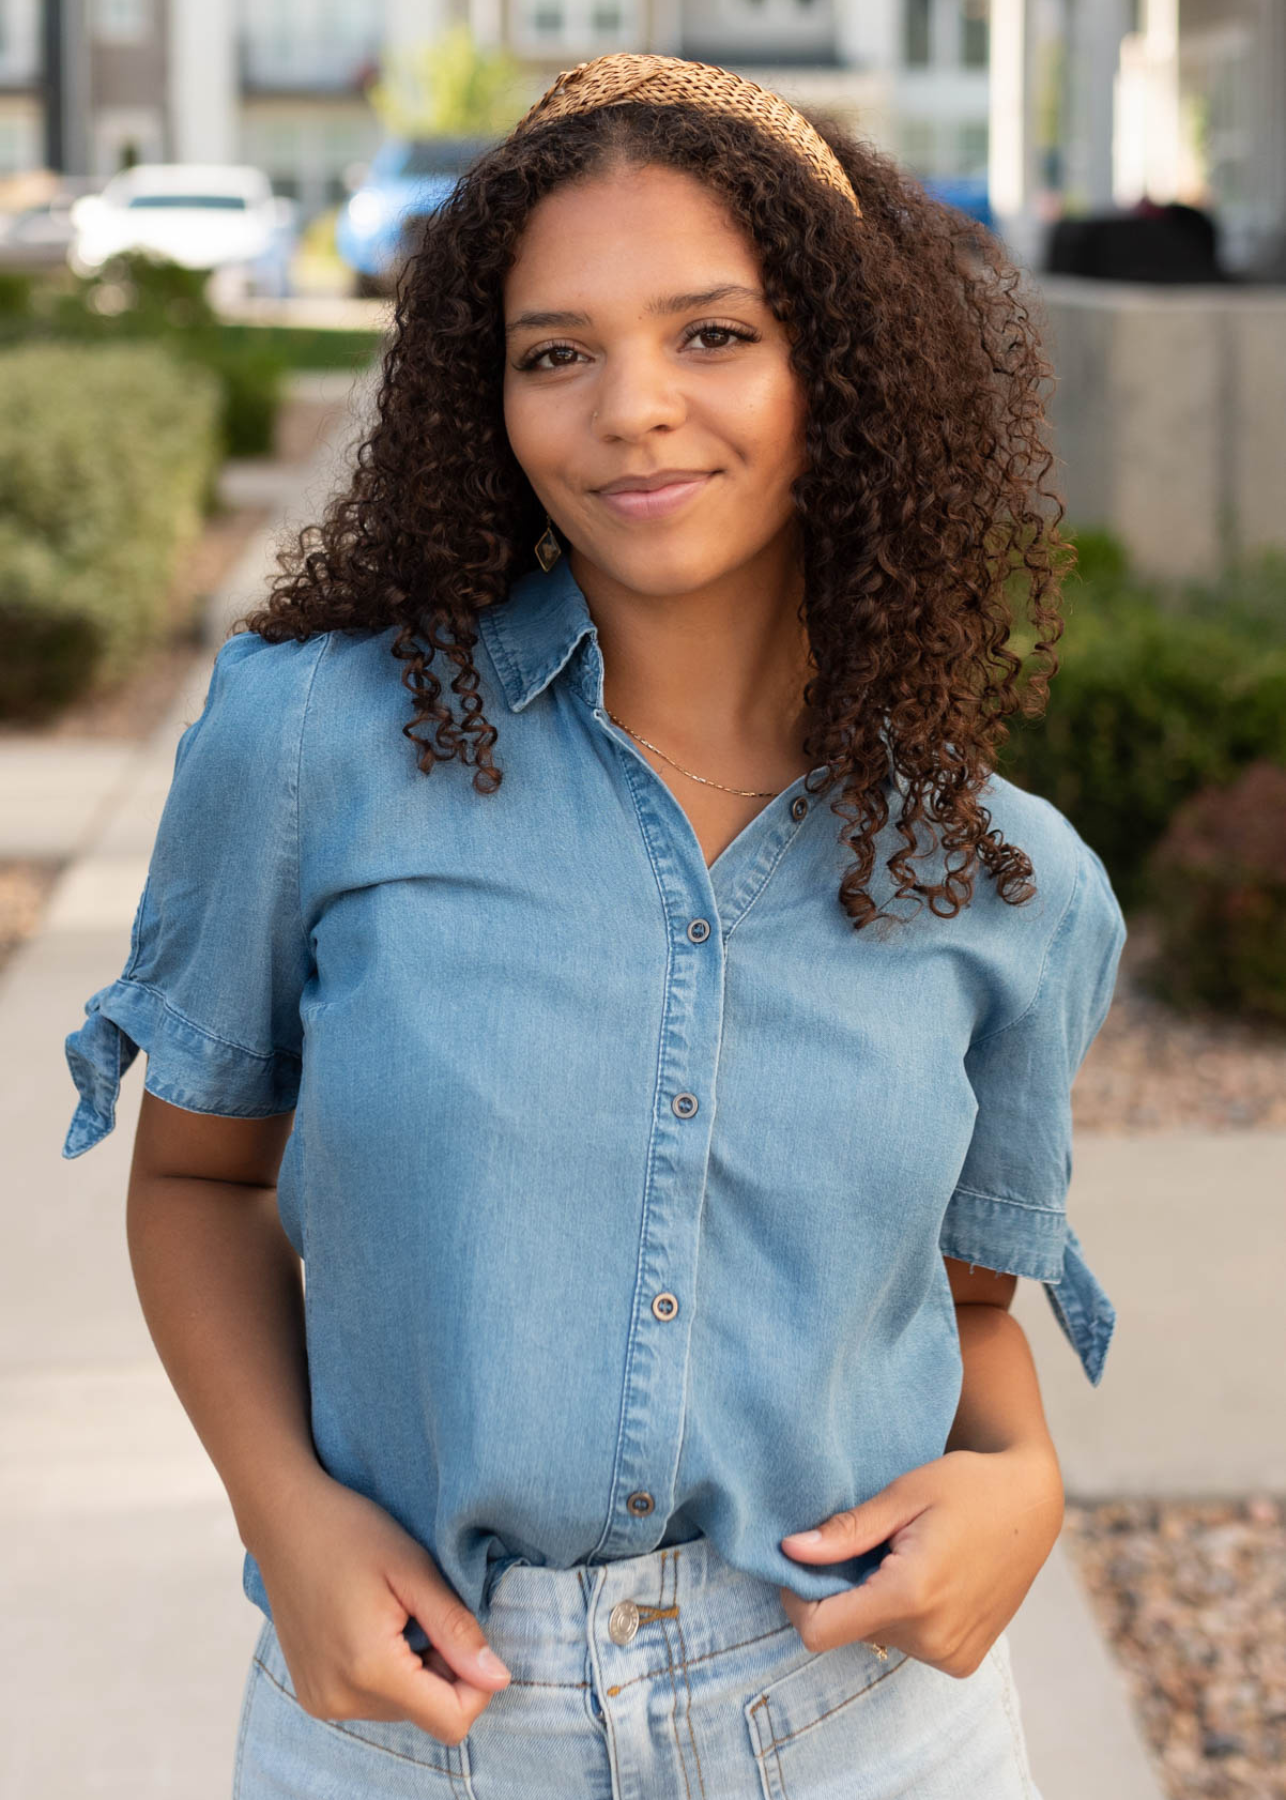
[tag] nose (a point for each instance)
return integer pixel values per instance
(637, 393)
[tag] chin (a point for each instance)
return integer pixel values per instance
(660, 569)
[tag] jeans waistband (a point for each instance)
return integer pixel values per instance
(631, 1609)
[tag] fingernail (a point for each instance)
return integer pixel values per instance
(490, 1663)
(803, 1537)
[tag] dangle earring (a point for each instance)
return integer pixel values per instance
(548, 548)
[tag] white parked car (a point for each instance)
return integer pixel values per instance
(218, 216)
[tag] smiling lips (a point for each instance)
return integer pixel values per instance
(671, 489)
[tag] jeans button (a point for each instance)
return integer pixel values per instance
(623, 1622)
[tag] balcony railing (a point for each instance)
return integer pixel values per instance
(21, 68)
(306, 66)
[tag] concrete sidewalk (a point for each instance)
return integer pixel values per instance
(121, 1585)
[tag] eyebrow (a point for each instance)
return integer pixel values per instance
(668, 303)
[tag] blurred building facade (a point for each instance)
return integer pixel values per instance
(1054, 106)
(1100, 104)
(89, 85)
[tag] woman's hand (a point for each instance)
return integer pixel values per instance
(342, 1579)
(969, 1533)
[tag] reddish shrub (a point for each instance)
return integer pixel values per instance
(1217, 883)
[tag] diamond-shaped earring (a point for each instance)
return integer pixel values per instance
(548, 548)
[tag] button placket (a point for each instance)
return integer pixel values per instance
(655, 1387)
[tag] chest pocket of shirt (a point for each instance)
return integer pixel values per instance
(809, 1725)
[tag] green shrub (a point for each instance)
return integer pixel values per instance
(251, 378)
(1151, 702)
(15, 294)
(106, 455)
(1217, 888)
(137, 297)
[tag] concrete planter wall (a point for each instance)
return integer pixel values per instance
(1169, 416)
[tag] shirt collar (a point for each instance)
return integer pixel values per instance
(533, 632)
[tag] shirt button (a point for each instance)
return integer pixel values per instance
(665, 1306)
(640, 1504)
(623, 1622)
(699, 930)
(685, 1105)
(798, 807)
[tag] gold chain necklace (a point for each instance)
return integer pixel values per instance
(759, 793)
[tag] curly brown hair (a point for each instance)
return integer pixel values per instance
(921, 506)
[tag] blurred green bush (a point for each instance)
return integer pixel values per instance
(108, 455)
(136, 297)
(1162, 689)
(140, 296)
(1217, 890)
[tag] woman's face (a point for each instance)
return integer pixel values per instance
(637, 343)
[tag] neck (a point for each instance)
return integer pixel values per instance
(717, 672)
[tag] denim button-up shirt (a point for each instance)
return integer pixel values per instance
(622, 1183)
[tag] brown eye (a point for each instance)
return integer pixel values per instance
(736, 333)
(534, 357)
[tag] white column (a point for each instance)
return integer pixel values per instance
(204, 98)
(1148, 146)
(1104, 23)
(486, 23)
(414, 21)
(866, 33)
(1009, 171)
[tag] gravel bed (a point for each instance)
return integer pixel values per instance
(1191, 1595)
(25, 885)
(1154, 1069)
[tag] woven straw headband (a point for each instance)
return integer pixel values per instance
(672, 80)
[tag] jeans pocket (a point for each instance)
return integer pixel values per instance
(797, 1722)
(328, 1744)
(845, 1723)
(254, 1674)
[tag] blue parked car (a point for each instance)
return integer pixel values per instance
(406, 178)
(967, 193)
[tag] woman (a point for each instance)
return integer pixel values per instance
(662, 1158)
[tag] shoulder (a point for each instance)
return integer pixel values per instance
(252, 716)
(252, 664)
(1035, 825)
(260, 688)
(358, 705)
(1074, 919)
(261, 694)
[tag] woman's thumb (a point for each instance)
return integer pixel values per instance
(450, 1626)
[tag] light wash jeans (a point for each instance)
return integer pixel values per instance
(667, 1676)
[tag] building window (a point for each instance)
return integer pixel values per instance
(122, 21)
(915, 33)
(975, 48)
(918, 145)
(971, 147)
(575, 24)
(17, 147)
